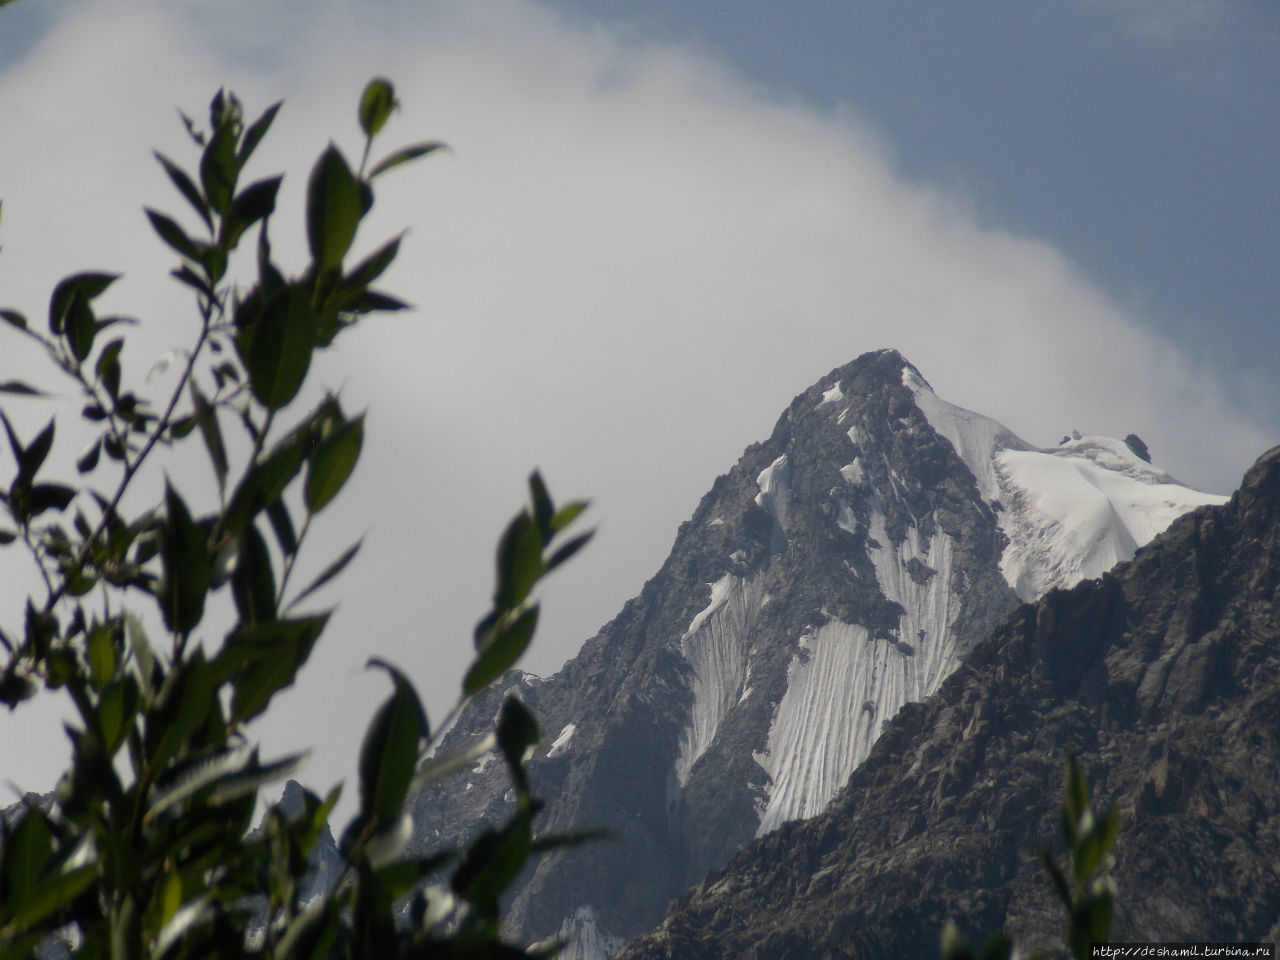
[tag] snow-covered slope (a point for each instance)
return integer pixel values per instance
(843, 568)
(1071, 512)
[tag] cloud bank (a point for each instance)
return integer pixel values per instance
(631, 262)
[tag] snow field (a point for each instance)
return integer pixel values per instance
(716, 647)
(1070, 512)
(842, 686)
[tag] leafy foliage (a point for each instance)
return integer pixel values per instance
(1085, 889)
(146, 849)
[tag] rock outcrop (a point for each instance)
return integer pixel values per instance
(1163, 677)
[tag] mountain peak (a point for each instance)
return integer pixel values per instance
(1162, 677)
(842, 568)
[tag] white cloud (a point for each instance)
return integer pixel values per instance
(630, 264)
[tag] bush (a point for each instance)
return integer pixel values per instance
(145, 849)
(1086, 889)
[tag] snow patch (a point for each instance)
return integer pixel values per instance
(1075, 511)
(843, 685)
(561, 743)
(585, 939)
(831, 395)
(1071, 512)
(852, 473)
(720, 591)
(975, 438)
(775, 489)
(716, 646)
(845, 519)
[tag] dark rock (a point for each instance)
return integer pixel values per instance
(1163, 678)
(1134, 443)
(798, 553)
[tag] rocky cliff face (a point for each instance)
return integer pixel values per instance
(1163, 678)
(842, 569)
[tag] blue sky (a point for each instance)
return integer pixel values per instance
(657, 228)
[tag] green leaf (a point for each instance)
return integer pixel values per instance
(543, 508)
(81, 327)
(1090, 922)
(241, 785)
(376, 103)
(329, 572)
(187, 779)
(548, 842)
(391, 747)
(265, 481)
(441, 765)
(1056, 877)
(1091, 850)
(265, 658)
(186, 918)
(49, 496)
(405, 155)
(568, 549)
(15, 445)
(186, 275)
(32, 458)
(187, 188)
(108, 367)
(20, 388)
(282, 525)
(567, 514)
(117, 709)
(256, 202)
(954, 945)
(184, 554)
(183, 706)
(172, 234)
(253, 584)
(28, 848)
(517, 733)
(144, 660)
(371, 301)
(207, 420)
(997, 947)
(313, 934)
(373, 266)
(494, 860)
(102, 653)
(14, 318)
(402, 876)
(276, 347)
(332, 462)
(505, 646)
(519, 562)
(253, 136)
(41, 629)
(219, 169)
(333, 210)
(84, 287)
(64, 877)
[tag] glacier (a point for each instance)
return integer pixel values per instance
(1070, 512)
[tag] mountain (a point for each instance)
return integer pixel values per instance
(1163, 677)
(843, 568)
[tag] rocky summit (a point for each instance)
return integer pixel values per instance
(1162, 677)
(844, 568)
